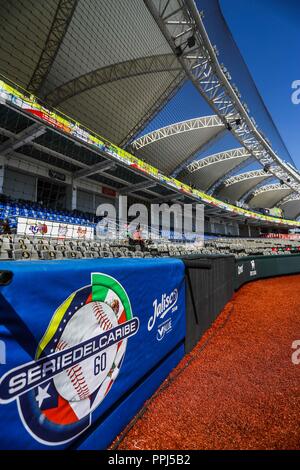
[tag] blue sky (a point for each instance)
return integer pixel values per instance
(267, 33)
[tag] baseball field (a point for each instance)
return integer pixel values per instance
(239, 388)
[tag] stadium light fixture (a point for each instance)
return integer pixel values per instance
(191, 41)
(236, 122)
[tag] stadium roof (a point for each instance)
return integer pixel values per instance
(172, 147)
(269, 195)
(291, 206)
(106, 64)
(207, 171)
(237, 186)
(111, 66)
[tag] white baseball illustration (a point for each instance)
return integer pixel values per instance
(80, 381)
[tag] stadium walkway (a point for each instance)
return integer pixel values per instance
(238, 389)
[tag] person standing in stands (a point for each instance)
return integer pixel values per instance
(5, 228)
(137, 236)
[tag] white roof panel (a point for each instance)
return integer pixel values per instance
(169, 147)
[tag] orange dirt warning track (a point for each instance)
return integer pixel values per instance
(238, 389)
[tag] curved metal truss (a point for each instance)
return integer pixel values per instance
(178, 128)
(217, 158)
(289, 198)
(63, 16)
(220, 157)
(161, 101)
(270, 187)
(218, 184)
(245, 176)
(112, 73)
(182, 26)
(247, 196)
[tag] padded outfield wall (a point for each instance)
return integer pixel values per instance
(85, 343)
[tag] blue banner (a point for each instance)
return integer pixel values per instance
(80, 338)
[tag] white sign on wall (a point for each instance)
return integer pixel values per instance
(47, 228)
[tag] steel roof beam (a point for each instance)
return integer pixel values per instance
(270, 187)
(289, 198)
(120, 71)
(151, 193)
(168, 197)
(244, 196)
(137, 187)
(62, 18)
(7, 133)
(246, 176)
(22, 138)
(174, 129)
(216, 158)
(43, 149)
(161, 101)
(60, 156)
(115, 178)
(91, 170)
(112, 73)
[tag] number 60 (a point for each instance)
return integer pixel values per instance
(99, 363)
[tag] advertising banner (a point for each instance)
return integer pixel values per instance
(260, 267)
(246, 270)
(283, 236)
(276, 212)
(79, 338)
(47, 228)
(29, 104)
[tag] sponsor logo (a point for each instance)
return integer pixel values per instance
(296, 93)
(57, 175)
(253, 271)
(62, 230)
(296, 353)
(81, 232)
(163, 329)
(162, 306)
(38, 228)
(2, 353)
(76, 363)
(240, 269)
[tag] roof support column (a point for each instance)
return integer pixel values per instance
(74, 196)
(2, 175)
